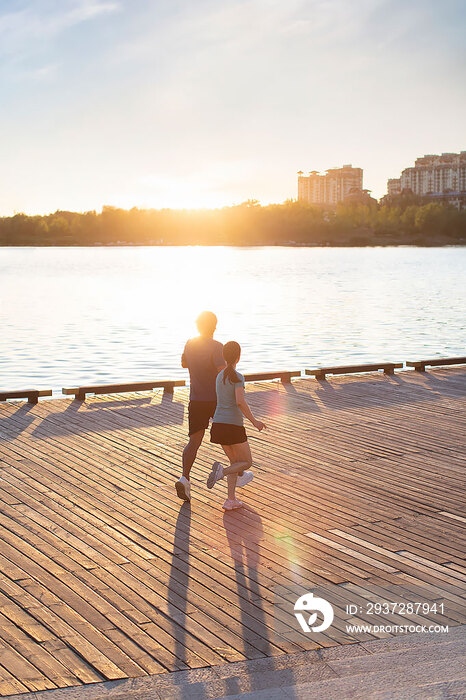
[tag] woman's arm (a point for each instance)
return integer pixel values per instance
(244, 408)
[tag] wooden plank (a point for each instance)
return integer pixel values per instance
(388, 368)
(46, 664)
(420, 365)
(9, 685)
(31, 395)
(284, 376)
(81, 391)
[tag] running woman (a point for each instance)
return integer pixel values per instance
(227, 427)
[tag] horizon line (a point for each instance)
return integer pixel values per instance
(251, 202)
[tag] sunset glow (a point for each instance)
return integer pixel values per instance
(212, 103)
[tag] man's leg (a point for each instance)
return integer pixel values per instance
(183, 486)
(190, 451)
(199, 413)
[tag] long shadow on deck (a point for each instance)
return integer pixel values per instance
(178, 585)
(306, 395)
(386, 391)
(16, 422)
(102, 417)
(244, 531)
(451, 385)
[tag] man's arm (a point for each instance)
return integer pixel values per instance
(184, 361)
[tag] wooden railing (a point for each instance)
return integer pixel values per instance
(81, 391)
(388, 368)
(285, 377)
(420, 365)
(32, 395)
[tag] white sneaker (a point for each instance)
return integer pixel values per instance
(183, 489)
(244, 479)
(215, 475)
(232, 504)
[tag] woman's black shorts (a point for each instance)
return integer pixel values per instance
(227, 434)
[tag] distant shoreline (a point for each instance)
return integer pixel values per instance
(375, 244)
(406, 220)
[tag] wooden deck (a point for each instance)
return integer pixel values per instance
(104, 574)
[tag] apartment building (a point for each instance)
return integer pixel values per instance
(439, 177)
(331, 188)
(394, 186)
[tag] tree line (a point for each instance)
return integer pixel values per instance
(404, 219)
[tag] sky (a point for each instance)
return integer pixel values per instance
(207, 103)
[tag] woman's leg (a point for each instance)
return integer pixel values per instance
(240, 460)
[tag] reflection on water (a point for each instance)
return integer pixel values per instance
(92, 315)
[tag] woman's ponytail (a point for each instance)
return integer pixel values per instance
(231, 355)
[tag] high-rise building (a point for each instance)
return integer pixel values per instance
(394, 186)
(438, 177)
(331, 188)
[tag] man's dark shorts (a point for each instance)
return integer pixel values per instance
(199, 413)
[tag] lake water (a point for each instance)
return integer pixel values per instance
(94, 315)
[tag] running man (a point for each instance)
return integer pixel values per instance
(203, 357)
